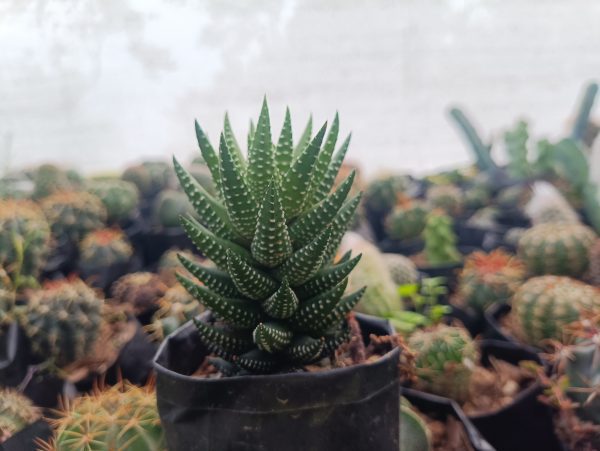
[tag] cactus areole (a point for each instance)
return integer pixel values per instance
(278, 302)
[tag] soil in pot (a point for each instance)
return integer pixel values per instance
(352, 408)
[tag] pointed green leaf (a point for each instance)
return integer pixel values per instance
(209, 155)
(283, 303)
(321, 215)
(345, 257)
(271, 244)
(235, 312)
(271, 337)
(210, 211)
(251, 131)
(285, 146)
(257, 361)
(324, 160)
(327, 278)
(218, 281)
(210, 245)
(232, 143)
(249, 281)
(305, 349)
(339, 226)
(305, 262)
(261, 161)
(326, 183)
(335, 340)
(340, 311)
(238, 199)
(312, 310)
(304, 138)
(223, 342)
(296, 183)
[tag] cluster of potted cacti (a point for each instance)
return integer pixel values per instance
(268, 326)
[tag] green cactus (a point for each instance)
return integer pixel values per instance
(515, 142)
(582, 368)
(73, 214)
(406, 220)
(273, 237)
(176, 307)
(169, 265)
(414, 433)
(149, 177)
(200, 171)
(543, 306)
(7, 303)
(402, 269)
(514, 196)
(448, 198)
(560, 249)
(440, 240)
(489, 278)
(444, 361)
(24, 241)
(103, 248)
(169, 206)
(139, 291)
(120, 198)
(123, 417)
(49, 179)
(476, 196)
(16, 413)
(62, 321)
(382, 193)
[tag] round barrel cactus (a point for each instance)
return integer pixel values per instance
(139, 291)
(16, 413)
(169, 206)
(402, 269)
(176, 307)
(559, 249)
(123, 417)
(49, 179)
(24, 241)
(62, 321)
(407, 220)
(489, 278)
(382, 193)
(120, 198)
(73, 214)
(103, 248)
(150, 177)
(444, 361)
(543, 306)
(448, 198)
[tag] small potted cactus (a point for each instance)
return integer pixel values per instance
(120, 198)
(447, 198)
(139, 294)
(404, 226)
(278, 309)
(20, 422)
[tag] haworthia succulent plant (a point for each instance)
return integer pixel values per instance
(277, 295)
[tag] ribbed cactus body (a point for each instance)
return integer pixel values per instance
(139, 291)
(440, 240)
(406, 221)
(119, 418)
(560, 249)
(543, 306)
(16, 413)
(402, 269)
(273, 238)
(444, 360)
(24, 240)
(176, 307)
(62, 321)
(169, 206)
(448, 198)
(103, 248)
(149, 177)
(49, 179)
(120, 198)
(489, 278)
(72, 215)
(382, 193)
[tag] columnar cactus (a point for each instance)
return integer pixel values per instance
(139, 291)
(24, 241)
(273, 237)
(176, 307)
(560, 249)
(120, 198)
(440, 240)
(402, 269)
(543, 306)
(16, 413)
(169, 206)
(407, 220)
(73, 214)
(103, 248)
(489, 278)
(62, 321)
(448, 198)
(445, 357)
(123, 417)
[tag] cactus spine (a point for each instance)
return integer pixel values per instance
(16, 413)
(407, 220)
(169, 206)
(103, 248)
(402, 269)
(139, 291)
(440, 240)
(176, 307)
(447, 198)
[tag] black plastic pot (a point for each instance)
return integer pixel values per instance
(62, 259)
(440, 408)
(473, 323)
(354, 408)
(45, 390)
(403, 247)
(25, 439)
(14, 355)
(526, 423)
(512, 217)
